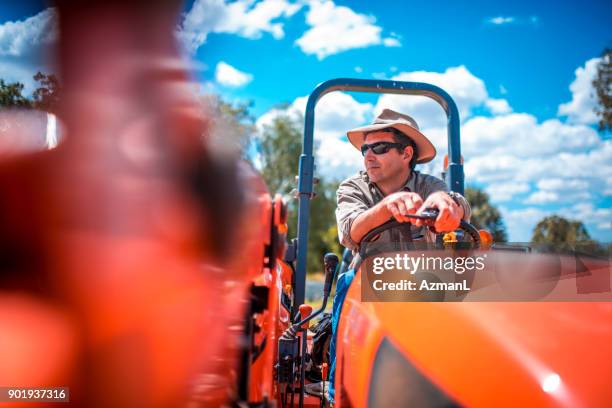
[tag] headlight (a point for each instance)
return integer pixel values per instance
(395, 382)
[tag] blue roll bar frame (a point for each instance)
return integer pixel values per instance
(306, 166)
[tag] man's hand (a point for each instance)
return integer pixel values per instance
(401, 203)
(450, 213)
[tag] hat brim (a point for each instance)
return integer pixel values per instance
(425, 148)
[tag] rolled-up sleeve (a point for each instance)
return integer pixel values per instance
(351, 202)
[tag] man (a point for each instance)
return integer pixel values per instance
(389, 188)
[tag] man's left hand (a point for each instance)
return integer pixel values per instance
(450, 213)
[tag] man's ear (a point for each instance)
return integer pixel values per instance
(408, 152)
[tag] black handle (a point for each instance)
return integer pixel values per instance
(427, 214)
(330, 263)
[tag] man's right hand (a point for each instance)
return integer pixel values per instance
(401, 203)
(393, 205)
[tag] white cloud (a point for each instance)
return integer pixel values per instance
(593, 166)
(246, 18)
(267, 118)
(521, 222)
(24, 46)
(596, 218)
(337, 158)
(334, 29)
(391, 42)
(335, 113)
(557, 190)
(581, 108)
(511, 20)
(229, 76)
(499, 20)
(467, 90)
(553, 197)
(520, 135)
(608, 188)
(22, 37)
(500, 192)
(548, 172)
(557, 184)
(498, 106)
(542, 197)
(358, 69)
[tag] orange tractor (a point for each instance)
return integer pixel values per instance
(120, 277)
(487, 352)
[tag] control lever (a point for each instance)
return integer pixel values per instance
(330, 265)
(288, 349)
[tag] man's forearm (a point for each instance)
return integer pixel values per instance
(369, 219)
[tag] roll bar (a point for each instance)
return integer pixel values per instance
(307, 167)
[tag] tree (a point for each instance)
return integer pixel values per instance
(484, 214)
(280, 147)
(323, 231)
(603, 88)
(559, 231)
(232, 124)
(47, 96)
(11, 95)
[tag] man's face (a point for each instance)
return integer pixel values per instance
(386, 166)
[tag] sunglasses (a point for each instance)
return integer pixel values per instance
(381, 147)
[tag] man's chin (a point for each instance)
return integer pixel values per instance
(374, 176)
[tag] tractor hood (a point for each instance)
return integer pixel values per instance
(506, 353)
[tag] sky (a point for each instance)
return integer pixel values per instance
(519, 71)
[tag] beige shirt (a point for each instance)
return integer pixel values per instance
(357, 194)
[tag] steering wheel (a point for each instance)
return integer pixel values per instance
(429, 216)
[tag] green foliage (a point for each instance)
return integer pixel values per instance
(11, 95)
(330, 239)
(323, 232)
(559, 231)
(603, 88)
(232, 124)
(46, 96)
(568, 235)
(485, 215)
(280, 148)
